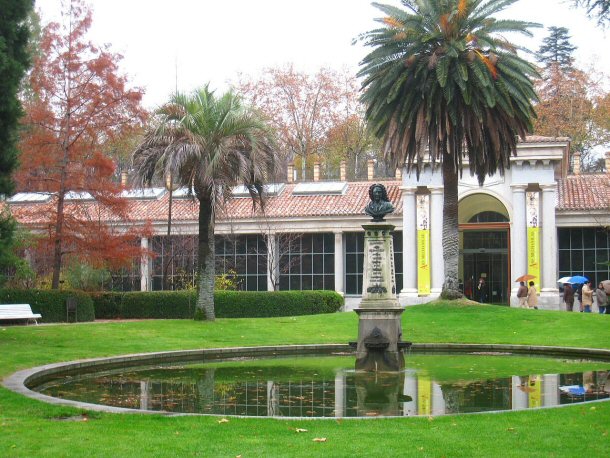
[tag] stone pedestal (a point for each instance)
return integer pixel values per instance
(379, 346)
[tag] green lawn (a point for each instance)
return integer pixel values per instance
(28, 428)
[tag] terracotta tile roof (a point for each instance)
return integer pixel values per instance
(584, 192)
(574, 193)
(352, 202)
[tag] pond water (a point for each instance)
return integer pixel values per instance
(330, 387)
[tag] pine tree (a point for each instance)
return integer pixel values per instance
(557, 49)
(14, 61)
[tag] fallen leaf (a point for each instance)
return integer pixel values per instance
(593, 408)
(223, 420)
(319, 439)
(300, 430)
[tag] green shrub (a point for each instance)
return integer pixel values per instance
(228, 304)
(137, 304)
(241, 304)
(51, 304)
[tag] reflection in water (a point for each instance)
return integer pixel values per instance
(267, 391)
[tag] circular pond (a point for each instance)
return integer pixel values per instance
(328, 386)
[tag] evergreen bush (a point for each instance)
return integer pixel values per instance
(228, 304)
(51, 304)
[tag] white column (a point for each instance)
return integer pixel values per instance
(144, 266)
(519, 393)
(550, 390)
(409, 243)
(438, 400)
(410, 389)
(436, 240)
(339, 261)
(549, 293)
(340, 395)
(273, 268)
(518, 240)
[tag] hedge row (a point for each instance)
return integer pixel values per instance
(228, 304)
(51, 304)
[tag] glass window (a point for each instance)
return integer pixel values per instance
(588, 237)
(305, 260)
(244, 256)
(354, 260)
(175, 262)
(576, 238)
(585, 254)
(563, 238)
(488, 217)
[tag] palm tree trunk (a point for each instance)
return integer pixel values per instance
(451, 241)
(204, 308)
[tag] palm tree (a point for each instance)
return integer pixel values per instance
(208, 144)
(441, 84)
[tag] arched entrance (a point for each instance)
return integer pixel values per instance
(484, 225)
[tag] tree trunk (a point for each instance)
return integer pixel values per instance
(205, 262)
(57, 244)
(451, 241)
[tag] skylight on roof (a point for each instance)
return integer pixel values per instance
(29, 197)
(271, 189)
(320, 188)
(182, 193)
(74, 195)
(146, 193)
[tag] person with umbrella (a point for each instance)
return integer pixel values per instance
(587, 297)
(532, 296)
(601, 297)
(568, 296)
(522, 295)
(522, 291)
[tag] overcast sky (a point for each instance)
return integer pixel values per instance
(209, 40)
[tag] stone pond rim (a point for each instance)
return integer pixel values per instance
(19, 381)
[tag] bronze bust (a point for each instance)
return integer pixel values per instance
(380, 205)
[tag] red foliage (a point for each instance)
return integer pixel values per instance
(77, 101)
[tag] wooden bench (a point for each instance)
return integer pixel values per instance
(18, 312)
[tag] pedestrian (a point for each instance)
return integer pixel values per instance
(587, 297)
(522, 295)
(532, 296)
(481, 293)
(568, 296)
(601, 297)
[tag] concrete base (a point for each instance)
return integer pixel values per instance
(546, 301)
(414, 299)
(379, 334)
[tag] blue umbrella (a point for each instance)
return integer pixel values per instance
(578, 280)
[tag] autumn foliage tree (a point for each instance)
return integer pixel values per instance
(77, 103)
(303, 108)
(573, 103)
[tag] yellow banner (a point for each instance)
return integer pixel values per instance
(423, 262)
(424, 395)
(535, 391)
(533, 254)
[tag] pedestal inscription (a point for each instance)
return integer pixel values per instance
(379, 346)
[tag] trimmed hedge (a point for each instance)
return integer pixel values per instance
(228, 304)
(51, 304)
